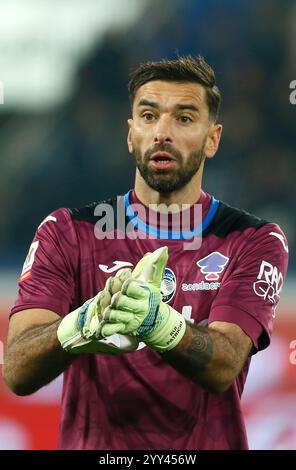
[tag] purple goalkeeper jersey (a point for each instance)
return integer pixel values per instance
(136, 400)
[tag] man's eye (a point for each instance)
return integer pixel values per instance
(148, 116)
(185, 119)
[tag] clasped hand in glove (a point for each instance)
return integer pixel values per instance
(80, 330)
(138, 310)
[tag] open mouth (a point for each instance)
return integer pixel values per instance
(162, 158)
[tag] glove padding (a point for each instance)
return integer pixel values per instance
(80, 330)
(138, 308)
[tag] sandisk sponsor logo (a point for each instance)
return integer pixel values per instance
(201, 286)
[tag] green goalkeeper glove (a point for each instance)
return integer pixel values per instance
(139, 310)
(79, 331)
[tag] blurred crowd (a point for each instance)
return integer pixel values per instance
(77, 153)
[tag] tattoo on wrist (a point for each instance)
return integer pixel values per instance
(196, 355)
(201, 347)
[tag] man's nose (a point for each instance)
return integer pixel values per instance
(163, 130)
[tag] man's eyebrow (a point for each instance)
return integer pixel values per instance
(152, 104)
(179, 107)
(190, 107)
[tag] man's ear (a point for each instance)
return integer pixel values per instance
(213, 139)
(129, 136)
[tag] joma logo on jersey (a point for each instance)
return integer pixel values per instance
(269, 283)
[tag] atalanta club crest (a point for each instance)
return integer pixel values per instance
(168, 285)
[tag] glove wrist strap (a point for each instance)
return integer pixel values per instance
(171, 332)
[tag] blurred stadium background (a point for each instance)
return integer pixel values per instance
(64, 65)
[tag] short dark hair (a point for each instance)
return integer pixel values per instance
(183, 69)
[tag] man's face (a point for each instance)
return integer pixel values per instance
(169, 133)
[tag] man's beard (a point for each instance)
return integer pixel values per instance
(169, 180)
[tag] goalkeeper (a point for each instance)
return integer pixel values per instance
(155, 343)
